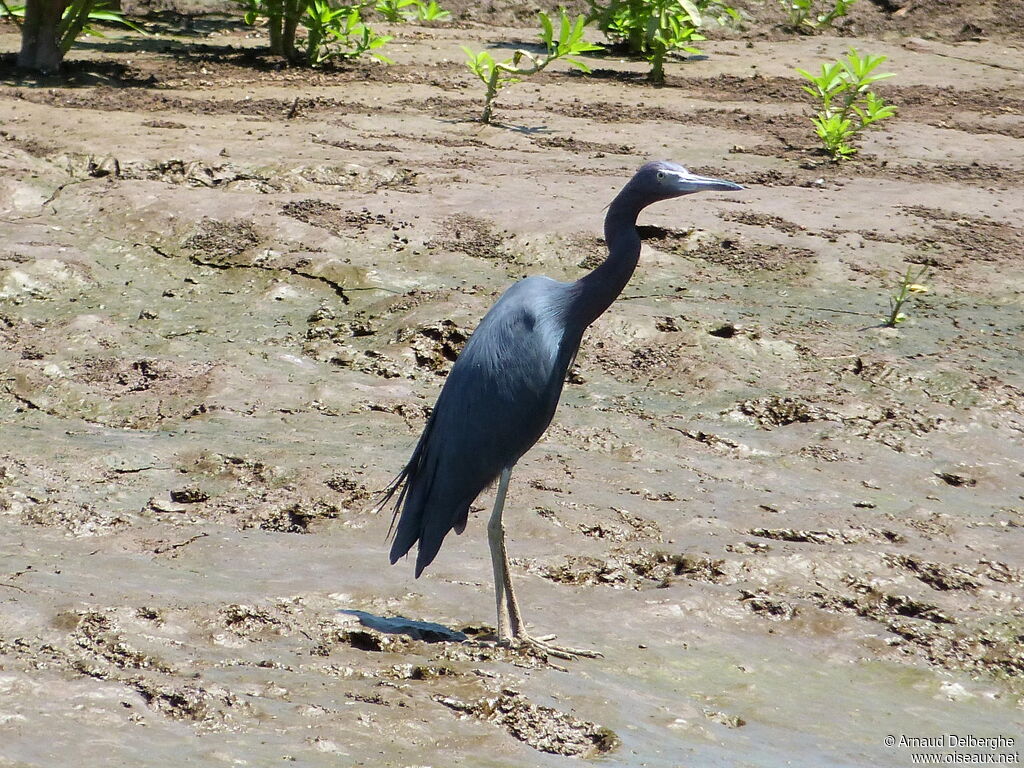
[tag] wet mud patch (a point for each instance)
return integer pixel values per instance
(448, 108)
(975, 173)
(982, 127)
(190, 173)
(428, 348)
(633, 569)
(472, 236)
(580, 146)
(337, 220)
(732, 251)
(757, 88)
(636, 363)
(798, 147)
(853, 535)
(237, 176)
(139, 394)
(752, 219)
(961, 238)
(98, 649)
(218, 243)
(436, 346)
(614, 112)
(296, 517)
(144, 100)
(28, 145)
(543, 728)
(212, 708)
(101, 644)
(778, 411)
(936, 575)
(917, 100)
(230, 245)
(629, 527)
(740, 120)
(944, 639)
(893, 423)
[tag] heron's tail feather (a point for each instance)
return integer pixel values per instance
(432, 496)
(401, 484)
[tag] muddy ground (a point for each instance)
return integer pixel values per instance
(229, 294)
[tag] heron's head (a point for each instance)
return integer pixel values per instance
(663, 180)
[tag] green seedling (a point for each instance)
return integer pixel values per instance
(397, 11)
(496, 75)
(431, 12)
(802, 16)
(847, 106)
(333, 30)
(911, 285)
(339, 33)
(76, 20)
(655, 28)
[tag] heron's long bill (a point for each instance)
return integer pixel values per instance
(694, 183)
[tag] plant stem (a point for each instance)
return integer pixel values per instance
(492, 91)
(902, 296)
(657, 73)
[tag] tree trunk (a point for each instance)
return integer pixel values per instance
(275, 15)
(39, 47)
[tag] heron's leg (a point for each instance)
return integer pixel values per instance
(499, 560)
(511, 627)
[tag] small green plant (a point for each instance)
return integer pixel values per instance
(396, 11)
(847, 106)
(910, 285)
(339, 33)
(654, 28)
(76, 20)
(802, 16)
(332, 30)
(496, 75)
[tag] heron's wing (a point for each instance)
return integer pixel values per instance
(497, 401)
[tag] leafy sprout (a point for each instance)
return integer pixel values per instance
(333, 29)
(802, 16)
(396, 11)
(654, 28)
(846, 105)
(909, 287)
(339, 33)
(496, 75)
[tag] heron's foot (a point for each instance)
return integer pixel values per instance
(543, 645)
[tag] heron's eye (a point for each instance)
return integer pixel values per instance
(661, 175)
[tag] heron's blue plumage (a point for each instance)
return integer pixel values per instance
(503, 390)
(495, 404)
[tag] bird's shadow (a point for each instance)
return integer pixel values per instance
(427, 631)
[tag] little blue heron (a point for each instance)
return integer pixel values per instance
(503, 390)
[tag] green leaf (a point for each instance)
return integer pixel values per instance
(547, 34)
(578, 65)
(692, 11)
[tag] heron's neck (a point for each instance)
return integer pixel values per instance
(594, 292)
